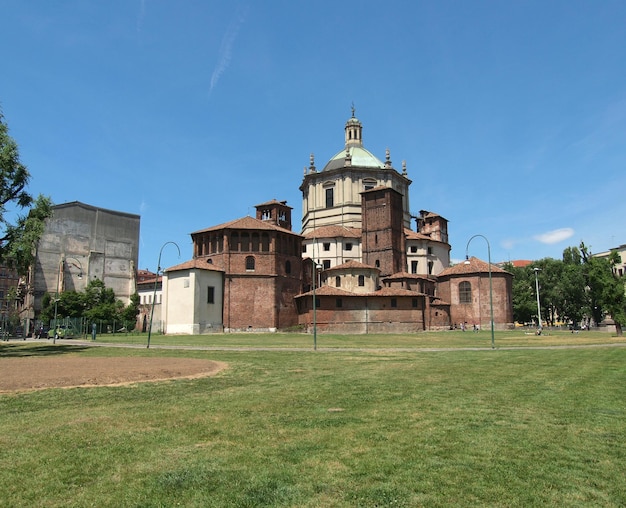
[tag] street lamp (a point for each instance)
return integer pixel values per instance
(56, 296)
(538, 304)
(156, 281)
(315, 267)
(493, 340)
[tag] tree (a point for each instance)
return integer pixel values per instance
(100, 302)
(571, 288)
(19, 234)
(97, 304)
(130, 312)
(605, 289)
(614, 297)
(523, 293)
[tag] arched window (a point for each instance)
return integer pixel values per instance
(337, 281)
(250, 263)
(361, 280)
(465, 292)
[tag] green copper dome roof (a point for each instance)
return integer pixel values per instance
(361, 158)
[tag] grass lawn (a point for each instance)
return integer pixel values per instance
(362, 426)
(447, 339)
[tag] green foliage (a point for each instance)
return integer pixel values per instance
(130, 312)
(578, 288)
(97, 304)
(19, 234)
(606, 290)
(524, 301)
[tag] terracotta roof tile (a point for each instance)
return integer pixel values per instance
(334, 232)
(430, 215)
(273, 202)
(406, 275)
(352, 265)
(475, 265)
(414, 235)
(199, 263)
(520, 263)
(246, 223)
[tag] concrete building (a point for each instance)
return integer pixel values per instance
(80, 243)
(12, 293)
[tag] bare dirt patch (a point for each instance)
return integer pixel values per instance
(38, 373)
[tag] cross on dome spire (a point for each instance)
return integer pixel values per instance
(354, 131)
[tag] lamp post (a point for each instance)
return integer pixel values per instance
(156, 281)
(56, 303)
(56, 296)
(315, 267)
(493, 341)
(538, 303)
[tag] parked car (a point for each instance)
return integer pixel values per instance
(62, 332)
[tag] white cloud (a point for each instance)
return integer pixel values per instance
(555, 236)
(508, 243)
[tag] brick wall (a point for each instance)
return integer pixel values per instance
(383, 230)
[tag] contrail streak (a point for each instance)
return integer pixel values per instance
(226, 49)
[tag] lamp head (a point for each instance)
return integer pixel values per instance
(467, 261)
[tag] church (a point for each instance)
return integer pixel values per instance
(363, 262)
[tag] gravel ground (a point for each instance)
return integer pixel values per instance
(38, 373)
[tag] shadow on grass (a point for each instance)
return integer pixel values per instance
(22, 350)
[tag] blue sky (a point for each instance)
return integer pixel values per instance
(511, 116)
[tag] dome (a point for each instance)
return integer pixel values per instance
(361, 158)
